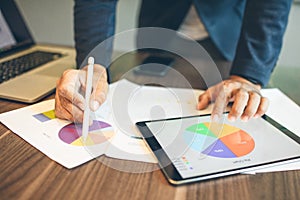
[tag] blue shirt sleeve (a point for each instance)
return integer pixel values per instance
(94, 22)
(260, 42)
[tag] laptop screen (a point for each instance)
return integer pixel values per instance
(14, 35)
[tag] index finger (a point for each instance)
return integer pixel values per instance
(220, 104)
(98, 95)
(100, 87)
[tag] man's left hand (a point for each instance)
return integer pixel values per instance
(246, 98)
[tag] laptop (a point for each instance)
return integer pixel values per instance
(28, 71)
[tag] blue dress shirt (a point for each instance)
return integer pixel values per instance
(248, 33)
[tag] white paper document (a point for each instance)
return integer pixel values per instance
(113, 132)
(61, 141)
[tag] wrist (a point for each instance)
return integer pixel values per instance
(244, 80)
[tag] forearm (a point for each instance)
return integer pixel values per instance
(94, 22)
(264, 24)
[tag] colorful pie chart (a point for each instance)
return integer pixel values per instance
(226, 141)
(99, 132)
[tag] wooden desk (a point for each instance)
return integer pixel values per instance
(25, 173)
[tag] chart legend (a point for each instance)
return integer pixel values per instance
(45, 116)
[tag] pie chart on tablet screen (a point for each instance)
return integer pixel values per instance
(99, 132)
(230, 142)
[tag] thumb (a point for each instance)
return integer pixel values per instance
(203, 101)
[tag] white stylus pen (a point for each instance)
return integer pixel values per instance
(86, 113)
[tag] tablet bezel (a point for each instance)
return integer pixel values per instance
(174, 177)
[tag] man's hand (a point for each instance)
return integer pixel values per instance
(246, 98)
(69, 98)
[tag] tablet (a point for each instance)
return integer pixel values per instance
(194, 148)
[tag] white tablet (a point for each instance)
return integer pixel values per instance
(193, 148)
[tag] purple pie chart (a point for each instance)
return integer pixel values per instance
(99, 132)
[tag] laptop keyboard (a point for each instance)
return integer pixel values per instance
(20, 65)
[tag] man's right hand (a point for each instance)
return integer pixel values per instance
(70, 88)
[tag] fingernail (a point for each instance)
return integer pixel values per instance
(244, 118)
(231, 118)
(103, 96)
(95, 105)
(214, 117)
(256, 116)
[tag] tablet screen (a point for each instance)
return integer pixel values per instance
(197, 147)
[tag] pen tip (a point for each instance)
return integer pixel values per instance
(91, 60)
